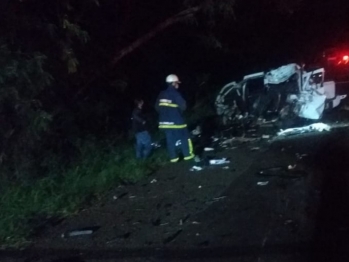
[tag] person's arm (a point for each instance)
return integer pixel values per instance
(157, 107)
(137, 116)
(182, 104)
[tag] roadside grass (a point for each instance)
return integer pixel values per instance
(24, 208)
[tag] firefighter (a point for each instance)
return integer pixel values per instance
(170, 106)
(143, 139)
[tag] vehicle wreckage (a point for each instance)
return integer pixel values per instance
(285, 93)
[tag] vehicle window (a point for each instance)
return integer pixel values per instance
(255, 86)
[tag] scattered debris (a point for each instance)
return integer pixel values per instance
(263, 183)
(172, 237)
(132, 197)
(265, 136)
(156, 145)
(255, 148)
(300, 156)
(287, 222)
(197, 131)
(80, 232)
(219, 161)
(120, 196)
(225, 167)
(208, 149)
(196, 168)
(195, 223)
(317, 127)
(164, 224)
(153, 181)
(291, 167)
(219, 198)
(215, 139)
(199, 186)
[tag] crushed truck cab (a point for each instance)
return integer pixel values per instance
(285, 92)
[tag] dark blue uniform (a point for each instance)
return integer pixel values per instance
(170, 105)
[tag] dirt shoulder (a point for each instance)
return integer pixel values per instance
(216, 214)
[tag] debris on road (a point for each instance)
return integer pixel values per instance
(196, 168)
(255, 148)
(195, 223)
(317, 127)
(120, 196)
(219, 161)
(153, 181)
(225, 167)
(300, 156)
(208, 149)
(290, 167)
(263, 183)
(219, 198)
(80, 232)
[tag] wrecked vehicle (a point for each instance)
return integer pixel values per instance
(285, 93)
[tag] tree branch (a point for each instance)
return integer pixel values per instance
(156, 30)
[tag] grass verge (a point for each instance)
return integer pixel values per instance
(24, 207)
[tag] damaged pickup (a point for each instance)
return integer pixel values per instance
(284, 93)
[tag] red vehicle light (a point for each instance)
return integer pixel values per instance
(345, 58)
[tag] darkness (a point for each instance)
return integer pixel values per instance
(90, 96)
(64, 100)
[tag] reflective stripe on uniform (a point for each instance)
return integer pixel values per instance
(174, 160)
(191, 151)
(189, 157)
(172, 126)
(168, 104)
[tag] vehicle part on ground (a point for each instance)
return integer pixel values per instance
(219, 161)
(317, 127)
(262, 183)
(283, 93)
(80, 232)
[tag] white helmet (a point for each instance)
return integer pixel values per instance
(172, 78)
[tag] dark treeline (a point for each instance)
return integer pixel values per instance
(70, 69)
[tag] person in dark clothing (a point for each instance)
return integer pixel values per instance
(170, 105)
(143, 139)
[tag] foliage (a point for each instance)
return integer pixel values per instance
(24, 209)
(23, 119)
